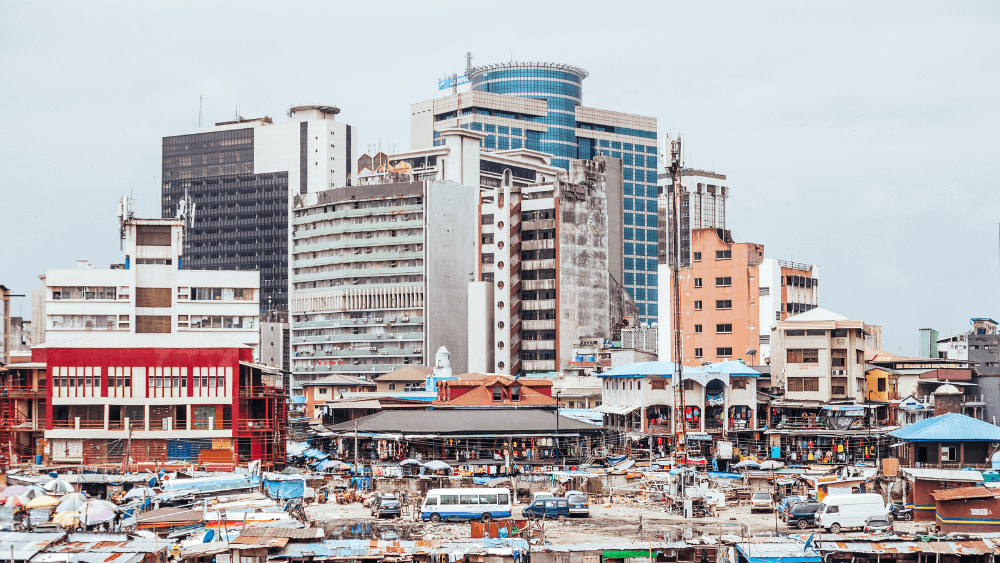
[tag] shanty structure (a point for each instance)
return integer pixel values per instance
(949, 441)
(921, 484)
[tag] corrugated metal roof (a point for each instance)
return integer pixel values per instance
(299, 533)
(447, 421)
(951, 427)
(946, 547)
(260, 541)
(962, 475)
(338, 379)
(88, 557)
(963, 493)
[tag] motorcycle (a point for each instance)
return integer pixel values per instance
(899, 511)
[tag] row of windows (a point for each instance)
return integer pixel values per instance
(621, 131)
(641, 264)
(66, 292)
(643, 294)
(639, 190)
(641, 220)
(638, 160)
(533, 87)
(721, 352)
(641, 249)
(640, 175)
(650, 235)
(640, 279)
(527, 73)
(650, 205)
(71, 376)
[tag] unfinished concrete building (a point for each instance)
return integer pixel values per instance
(555, 268)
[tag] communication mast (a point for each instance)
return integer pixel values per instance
(185, 212)
(126, 209)
(676, 170)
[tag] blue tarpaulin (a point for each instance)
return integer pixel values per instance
(285, 489)
(313, 452)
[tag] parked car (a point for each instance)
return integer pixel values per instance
(540, 495)
(385, 505)
(549, 508)
(877, 525)
(786, 503)
(578, 504)
(761, 500)
(802, 515)
(837, 512)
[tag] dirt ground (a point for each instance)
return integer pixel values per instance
(618, 523)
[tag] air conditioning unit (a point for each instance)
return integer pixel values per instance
(384, 353)
(366, 319)
(354, 320)
(378, 320)
(378, 335)
(404, 319)
(391, 320)
(372, 348)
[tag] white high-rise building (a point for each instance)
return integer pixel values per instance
(152, 292)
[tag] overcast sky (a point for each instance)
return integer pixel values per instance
(862, 137)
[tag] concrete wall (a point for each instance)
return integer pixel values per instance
(583, 288)
(481, 320)
(450, 254)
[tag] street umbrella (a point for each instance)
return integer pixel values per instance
(140, 492)
(58, 486)
(436, 465)
(747, 463)
(291, 471)
(97, 512)
(771, 465)
(14, 490)
(410, 461)
(82, 497)
(41, 501)
(66, 519)
(15, 501)
(70, 505)
(33, 491)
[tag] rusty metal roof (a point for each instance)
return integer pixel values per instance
(945, 547)
(963, 493)
(293, 533)
(260, 541)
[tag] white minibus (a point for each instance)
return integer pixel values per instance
(466, 504)
(848, 511)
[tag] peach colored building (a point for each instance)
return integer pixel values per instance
(719, 300)
(332, 387)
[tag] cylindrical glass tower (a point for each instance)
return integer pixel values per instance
(561, 85)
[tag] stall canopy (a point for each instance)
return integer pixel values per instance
(778, 552)
(616, 409)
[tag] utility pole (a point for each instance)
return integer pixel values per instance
(128, 448)
(355, 447)
(676, 170)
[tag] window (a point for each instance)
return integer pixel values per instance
(859, 356)
(515, 392)
(803, 356)
(392, 387)
(697, 305)
(839, 333)
(949, 453)
(689, 385)
(152, 297)
(764, 291)
(497, 393)
(815, 332)
(738, 383)
(881, 385)
(724, 328)
(323, 390)
(152, 235)
(697, 256)
(697, 353)
(803, 384)
(723, 352)
(838, 358)
(697, 329)
(723, 303)
(723, 282)
(795, 333)
(697, 282)
(723, 254)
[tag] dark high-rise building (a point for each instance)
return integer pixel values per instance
(242, 177)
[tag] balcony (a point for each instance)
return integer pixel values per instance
(256, 425)
(25, 391)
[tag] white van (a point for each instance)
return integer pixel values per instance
(848, 511)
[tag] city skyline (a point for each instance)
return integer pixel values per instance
(882, 92)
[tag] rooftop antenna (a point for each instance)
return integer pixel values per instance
(454, 83)
(199, 111)
(468, 63)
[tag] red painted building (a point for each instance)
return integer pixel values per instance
(164, 397)
(483, 390)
